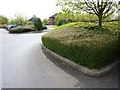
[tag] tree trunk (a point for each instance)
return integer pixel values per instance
(100, 21)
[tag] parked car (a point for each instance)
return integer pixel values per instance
(8, 27)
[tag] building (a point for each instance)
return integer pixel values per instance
(51, 20)
(31, 19)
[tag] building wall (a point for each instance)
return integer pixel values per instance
(51, 21)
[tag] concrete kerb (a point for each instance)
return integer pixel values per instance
(85, 70)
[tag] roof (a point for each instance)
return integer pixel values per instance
(53, 15)
(31, 19)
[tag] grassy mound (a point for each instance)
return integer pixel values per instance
(84, 43)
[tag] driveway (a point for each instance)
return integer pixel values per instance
(26, 65)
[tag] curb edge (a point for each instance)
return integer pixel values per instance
(85, 70)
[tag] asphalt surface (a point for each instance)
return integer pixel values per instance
(0, 60)
(26, 65)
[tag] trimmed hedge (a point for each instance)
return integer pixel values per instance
(24, 29)
(84, 44)
(20, 30)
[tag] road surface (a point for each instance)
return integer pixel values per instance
(26, 65)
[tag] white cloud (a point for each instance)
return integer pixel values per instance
(40, 8)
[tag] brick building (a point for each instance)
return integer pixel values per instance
(51, 20)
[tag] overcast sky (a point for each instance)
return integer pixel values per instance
(28, 8)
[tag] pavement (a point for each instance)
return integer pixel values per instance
(0, 60)
(26, 65)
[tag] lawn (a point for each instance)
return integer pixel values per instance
(85, 44)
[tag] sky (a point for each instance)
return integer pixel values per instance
(28, 8)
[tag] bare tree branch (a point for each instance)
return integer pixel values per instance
(90, 6)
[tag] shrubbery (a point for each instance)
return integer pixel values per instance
(37, 23)
(2, 25)
(85, 44)
(44, 27)
(21, 30)
(28, 28)
(63, 21)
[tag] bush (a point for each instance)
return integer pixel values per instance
(63, 21)
(84, 44)
(21, 30)
(2, 26)
(37, 23)
(44, 27)
(45, 21)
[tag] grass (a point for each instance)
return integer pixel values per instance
(84, 43)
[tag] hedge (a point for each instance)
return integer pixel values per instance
(20, 30)
(85, 44)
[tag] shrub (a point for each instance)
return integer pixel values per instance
(37, 23)
(63, 21)
(45, 21)
(20, 30)
(2, 25)
(44, 27)
(84, 44)
(64, 16)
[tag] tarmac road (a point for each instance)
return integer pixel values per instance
(26, 65)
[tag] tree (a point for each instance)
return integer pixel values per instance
(19, 20)
(3, 20)
(37, 23)
(102, 8)
(45, 21)
(70, 6)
